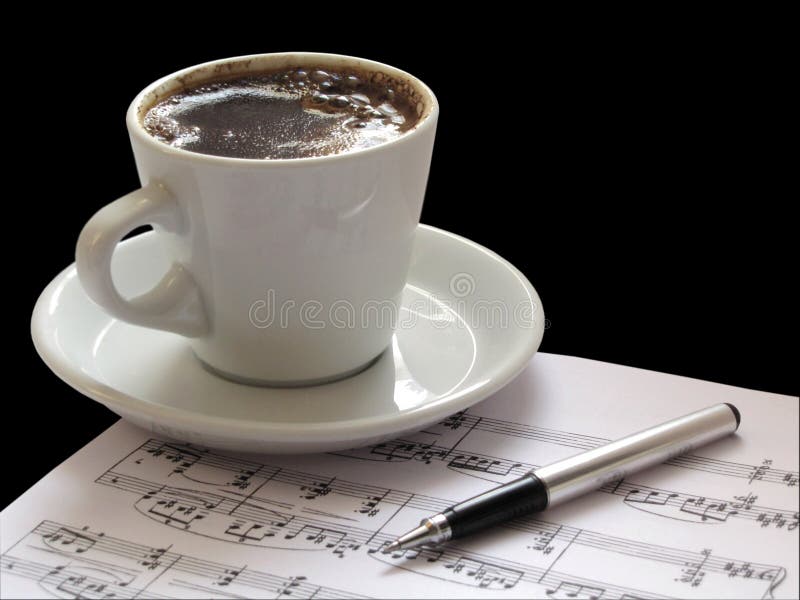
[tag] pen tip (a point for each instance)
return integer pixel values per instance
(395, 545)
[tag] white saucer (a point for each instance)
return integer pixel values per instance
(451, 350)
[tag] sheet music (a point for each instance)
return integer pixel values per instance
(134, 515)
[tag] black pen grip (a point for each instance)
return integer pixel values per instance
(519, 497)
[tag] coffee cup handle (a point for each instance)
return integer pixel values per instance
(174, 304)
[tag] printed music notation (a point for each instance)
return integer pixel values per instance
(675, 505)
(464, 424)
(243, 502)
(75, 562)
(132, 515)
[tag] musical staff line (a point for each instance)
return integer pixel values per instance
(407, 450)
(765, 473)
(219, 510)
(48, 555)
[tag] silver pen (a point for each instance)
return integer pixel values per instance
(566, 479)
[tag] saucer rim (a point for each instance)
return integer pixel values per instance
(282, 431)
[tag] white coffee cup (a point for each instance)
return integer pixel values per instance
(285, 272)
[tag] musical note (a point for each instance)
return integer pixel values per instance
(228, 576)
(745, 502)
(316, 489)
(396, 451)
(292, 587)
(110, 567)
(370, 505)
(765, 472)
(482, 464)
(707, 511)
(544, 540)
(242, 479)
(65, 539)
(328, 538)
(760, 471)
(456, 421)
(485, 575)
(693, 573)
(565, 589)
(675, 506)
(253, 531)
(652, 498)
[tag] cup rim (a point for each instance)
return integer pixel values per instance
(143, 99)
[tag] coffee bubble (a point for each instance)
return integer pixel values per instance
(301, 111)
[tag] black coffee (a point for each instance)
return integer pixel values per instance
(292, 113)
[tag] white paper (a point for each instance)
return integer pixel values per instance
(131, 515)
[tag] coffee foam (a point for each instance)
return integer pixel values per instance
(292, 113)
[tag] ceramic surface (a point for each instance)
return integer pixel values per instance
(452, 348)
(305, 236)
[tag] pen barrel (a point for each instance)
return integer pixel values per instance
(582, 473)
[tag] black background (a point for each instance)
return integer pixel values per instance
(634, 173)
